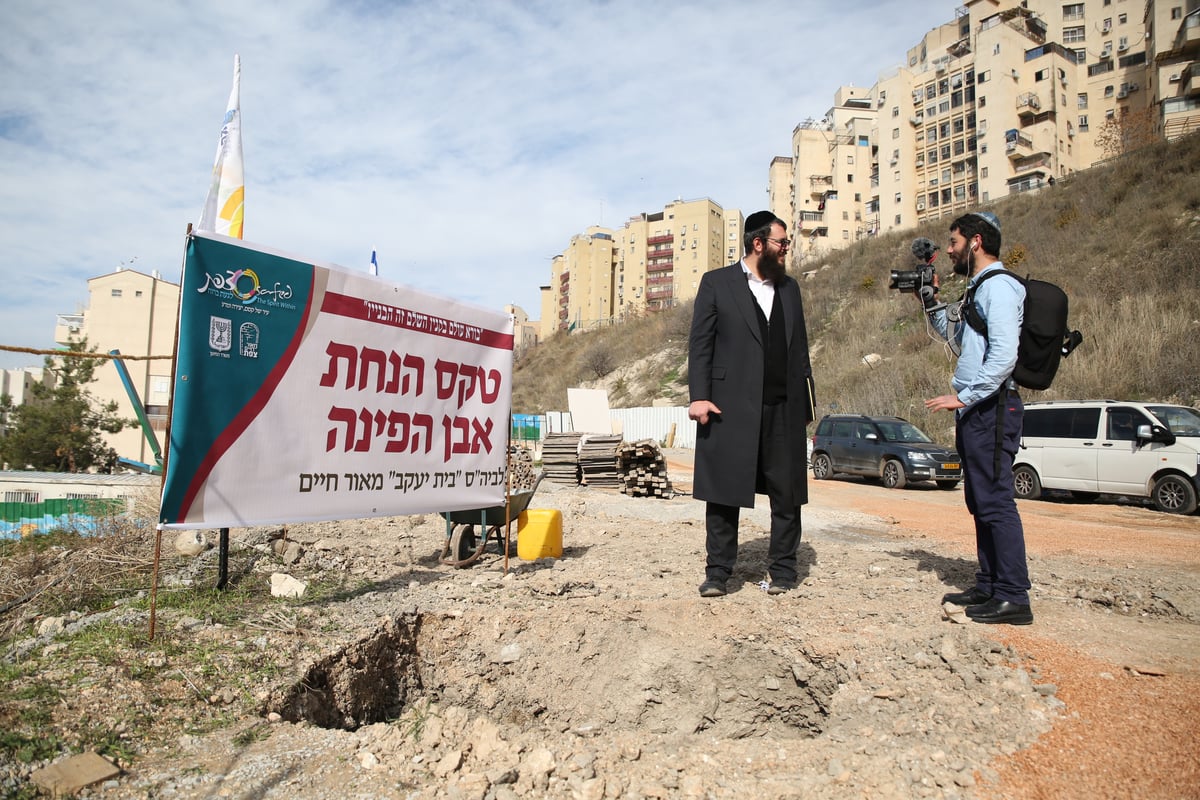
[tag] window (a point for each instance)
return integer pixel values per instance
(1122, 19)
(895, 111)
(897, 197)
(1076, 33)
(857, 197)
(1062, 423)
(116, 292)
(137, 293)
(983, 172)
(1081, 100)
(1083, 123)
(943, 106)
(845, 216)
(1108, 90)
(895, 133)
(1041, 75)
(996, 49)
(1081, 55)
(982, 102)
(850, 159)
(1176, 12)
(1073, 11)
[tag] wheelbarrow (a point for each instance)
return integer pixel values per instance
(463, 546)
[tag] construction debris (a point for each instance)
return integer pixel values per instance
(560, 457)
(643, 470)
(598, 460)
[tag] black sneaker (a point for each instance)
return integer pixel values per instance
(712, 588)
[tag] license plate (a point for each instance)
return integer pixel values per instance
(950, 466)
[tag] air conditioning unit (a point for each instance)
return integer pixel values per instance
(1174, 77)
(1016, 75)
(1034, 102)
(1121, 95)
(920, 206)
(1133, 87)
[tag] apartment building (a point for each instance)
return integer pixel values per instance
(136, 314)
(653, 262)
(1005, 98)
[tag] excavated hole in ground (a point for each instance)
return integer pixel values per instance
(669, 689)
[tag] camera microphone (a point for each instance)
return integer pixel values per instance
(924, 250)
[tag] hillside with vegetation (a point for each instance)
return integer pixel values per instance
(1122, 239)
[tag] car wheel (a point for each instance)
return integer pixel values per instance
(822, 467)
(947, 484)
(1026, 485)
(1174, 495)
(892, 474)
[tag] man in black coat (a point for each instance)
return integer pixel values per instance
(750, 381)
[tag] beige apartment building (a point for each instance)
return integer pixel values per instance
(1005, 98)
(653, 262)
(136, 314)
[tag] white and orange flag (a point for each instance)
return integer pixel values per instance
(223, 209)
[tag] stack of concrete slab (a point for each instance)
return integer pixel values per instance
(560, 457)
(598, 460)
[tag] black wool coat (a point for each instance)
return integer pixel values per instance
(725, 366)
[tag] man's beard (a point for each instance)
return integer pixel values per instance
(772, 267)
(962, 266)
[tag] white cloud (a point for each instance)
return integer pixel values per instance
(466, 141)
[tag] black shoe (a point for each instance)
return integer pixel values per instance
(1000, 612)
(712, 588)
(971, 597)
(779, 587)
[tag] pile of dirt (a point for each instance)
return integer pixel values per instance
(604, 674)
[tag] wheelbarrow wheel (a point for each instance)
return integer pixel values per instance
(462, 543)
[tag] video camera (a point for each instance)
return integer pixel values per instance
(915, 281)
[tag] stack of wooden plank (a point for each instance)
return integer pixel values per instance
(598, 460)
(642, 469)
(560, 457)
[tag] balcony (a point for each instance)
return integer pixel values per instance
(660, 266)
(1017, 145)
(1191, 80)
(811, 220)
(665, 252)
(665, 238)
(664, 279)
(659, 293)
(820, 183)
(1028, 105)
(1038, 163)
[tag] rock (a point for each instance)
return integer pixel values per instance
(191, 543)
(51, 626)
(284, 585)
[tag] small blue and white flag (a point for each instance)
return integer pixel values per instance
(374, 264)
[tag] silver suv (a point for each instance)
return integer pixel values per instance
(888, 448)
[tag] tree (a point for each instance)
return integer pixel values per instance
(59, 428)
(1127, 131)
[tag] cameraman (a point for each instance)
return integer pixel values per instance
(988, 414)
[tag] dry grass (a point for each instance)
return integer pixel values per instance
(1123, 240)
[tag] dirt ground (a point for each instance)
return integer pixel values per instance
(603, 674)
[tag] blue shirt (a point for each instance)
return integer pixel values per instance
(985, 363)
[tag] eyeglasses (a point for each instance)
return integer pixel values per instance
(784, 244)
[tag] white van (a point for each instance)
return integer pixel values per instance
(1097, 447)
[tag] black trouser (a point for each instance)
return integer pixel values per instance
(988, 489)
(774, 478)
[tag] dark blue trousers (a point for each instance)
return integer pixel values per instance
(775, 480)
(988, 486)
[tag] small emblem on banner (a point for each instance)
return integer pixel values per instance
(248, 340)
(220, 334)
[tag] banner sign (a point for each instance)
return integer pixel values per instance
(306, 393)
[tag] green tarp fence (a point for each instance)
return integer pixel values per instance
(77, 514)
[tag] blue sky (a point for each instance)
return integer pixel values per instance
(465, 141)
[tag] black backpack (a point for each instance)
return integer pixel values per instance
(1044, 338)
